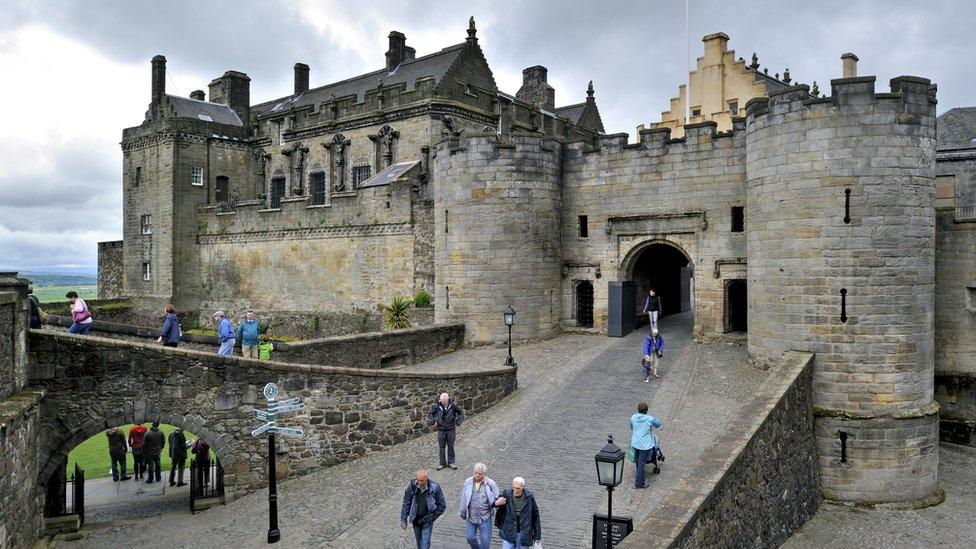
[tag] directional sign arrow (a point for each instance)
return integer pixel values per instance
(287, 431)
(290, 408)
(263, 415)
(262, 429)
(287, 402)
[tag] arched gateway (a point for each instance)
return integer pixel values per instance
(664, 266)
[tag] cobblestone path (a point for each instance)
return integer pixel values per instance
(573, 391)
(949, 524)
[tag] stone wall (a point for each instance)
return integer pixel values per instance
(93, 382)
(111, 270)
(756, 484)
(660, 190)
(841, 262)
(376, 350)
(22, 504)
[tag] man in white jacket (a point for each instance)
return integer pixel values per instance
(476, 507)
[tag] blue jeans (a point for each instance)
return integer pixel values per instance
(80, 329)
(479, 535)
(422, 533)
(226, 348)
(640, 459)
(118, 462)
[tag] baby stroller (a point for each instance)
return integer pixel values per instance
(657, 456)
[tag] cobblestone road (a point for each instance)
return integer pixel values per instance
(573, 391)
(947, 525)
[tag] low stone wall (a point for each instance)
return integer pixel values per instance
(107, 310)
(956, 395)
(22, 501)
(376, 350)
(92, 382)
(756, 484)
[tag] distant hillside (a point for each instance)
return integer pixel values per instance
(55, 279)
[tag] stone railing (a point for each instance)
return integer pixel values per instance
(756, 484)
(92, 382)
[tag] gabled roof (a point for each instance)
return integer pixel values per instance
(184, 107)
(408, 72)
(572, 112)
(956, 129)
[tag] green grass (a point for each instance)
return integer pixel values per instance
(49, 294)
(92, 454)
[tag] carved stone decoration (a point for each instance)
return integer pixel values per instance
(755, 62)
(333, 107)
(338, 150)
(261, 157)
(786, 76)
(297, 154)
(449, 129)
(386, 140)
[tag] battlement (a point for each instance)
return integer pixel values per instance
(517, 145)
(109, 245)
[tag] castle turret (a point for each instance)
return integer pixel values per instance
(496, 210)
(535, 88)
(840, 263)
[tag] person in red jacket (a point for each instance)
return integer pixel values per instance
(136, 432)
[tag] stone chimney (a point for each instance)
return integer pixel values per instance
(535, 89)
(158, 78)
(198, 95)
(301, 78)
(399, 51)
(234, 90)
(849, 61)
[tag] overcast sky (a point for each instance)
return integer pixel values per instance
(75, 73)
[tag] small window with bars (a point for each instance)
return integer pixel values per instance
(734, 107)
(317, 184)
(584, 226)
(359, 175)
(147, 270)
(738, 219)
(145, 224)
(196, 176)
(277, 192)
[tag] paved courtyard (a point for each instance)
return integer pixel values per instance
(574, 390)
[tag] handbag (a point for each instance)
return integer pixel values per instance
(631, 454)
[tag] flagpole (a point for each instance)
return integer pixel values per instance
(687, 68)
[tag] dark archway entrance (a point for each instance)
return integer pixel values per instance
(584, 304)
(666, 269)
(735, 306)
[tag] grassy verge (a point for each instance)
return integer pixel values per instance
(92, 454)
(50, 294)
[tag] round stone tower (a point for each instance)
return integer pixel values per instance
(496, 241)
(841, 263)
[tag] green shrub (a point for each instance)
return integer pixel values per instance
(398, 313)
(313, 324)
(422, 299)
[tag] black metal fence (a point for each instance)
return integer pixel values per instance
(66, 496)
(206, 480)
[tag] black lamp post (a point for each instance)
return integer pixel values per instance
(610, 472)
(509, 321)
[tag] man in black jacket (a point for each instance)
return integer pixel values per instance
(517, 519)
(152, 445)
(177, 455)
(446, 415)
(116, 452)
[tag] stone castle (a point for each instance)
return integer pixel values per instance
(840, 225)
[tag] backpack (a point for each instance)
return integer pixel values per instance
(264, 350)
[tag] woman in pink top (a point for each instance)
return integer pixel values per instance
(80, 315)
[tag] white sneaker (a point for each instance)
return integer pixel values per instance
(647, 380)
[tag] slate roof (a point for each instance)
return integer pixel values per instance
(572, 112)
(407, 72)
(390, 174)
(211, 112)
(956, 129)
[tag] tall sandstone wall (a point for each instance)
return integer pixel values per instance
(855, 286)
(496, 234)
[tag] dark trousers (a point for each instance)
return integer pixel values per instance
(641, 458)
(170, 344)
(140, 463)
(177, 467)
(153, 467)
(445, 441)
(118, 464)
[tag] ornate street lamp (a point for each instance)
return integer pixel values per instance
(610, 473)
(509, 321)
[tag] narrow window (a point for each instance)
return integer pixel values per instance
(317, 182)
(145, 224)
(137, 178)
(196, 176)
(281, 133)
(734, 107)
(446, 228)
(843, 446)
(738, 219)
(696, 111)
(223, 189)
(277, 191)
(584, 228)
(147, 270)
(359, 175)
(447, 295)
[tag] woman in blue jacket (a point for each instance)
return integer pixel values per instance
(170, 333)
(644, 442)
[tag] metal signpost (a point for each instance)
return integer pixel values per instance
(270, 416)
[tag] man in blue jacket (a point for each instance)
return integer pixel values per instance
(249, 334)
(643, 441)
(653, 350)
(225, 333)
(423, 503)
(517, 519)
